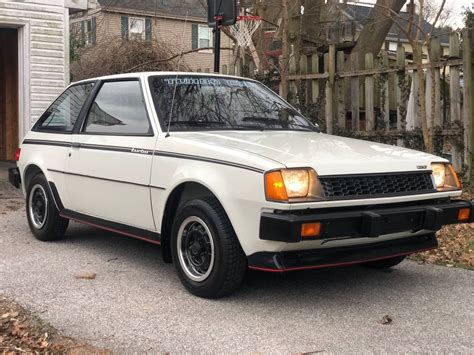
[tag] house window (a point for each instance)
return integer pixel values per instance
(392, 46)
(204, 37)
(136, 28)
(88, 28)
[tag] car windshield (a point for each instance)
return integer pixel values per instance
(220, 103)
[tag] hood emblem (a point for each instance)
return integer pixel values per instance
(422, 167)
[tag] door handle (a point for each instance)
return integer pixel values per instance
(75, 145)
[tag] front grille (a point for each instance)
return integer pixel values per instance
(379, 185)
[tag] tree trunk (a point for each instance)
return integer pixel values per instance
(381, 19)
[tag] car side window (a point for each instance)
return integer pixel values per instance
(118, 109)
(61, 116)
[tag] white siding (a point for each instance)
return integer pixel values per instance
(45, 60)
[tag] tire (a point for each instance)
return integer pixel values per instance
(43, 216)
(385, 263)
(206, 253)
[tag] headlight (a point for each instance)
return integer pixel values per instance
(293, 185)
(445, 177)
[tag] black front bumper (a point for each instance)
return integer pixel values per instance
(361, 222)
(14, 177)
(330, 257)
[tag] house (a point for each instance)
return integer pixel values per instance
(34, 63)
(147, 20)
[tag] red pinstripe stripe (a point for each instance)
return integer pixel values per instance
(335, 264)
(112, 230)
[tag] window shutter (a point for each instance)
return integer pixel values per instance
(83, 33)
(93, 30)
(148, 29)
(195, 39)
(124, 27)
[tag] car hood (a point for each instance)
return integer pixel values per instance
(327, 154)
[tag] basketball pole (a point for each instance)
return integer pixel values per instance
(217, 45)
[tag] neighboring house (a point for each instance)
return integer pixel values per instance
(34, 63)
(163, 20)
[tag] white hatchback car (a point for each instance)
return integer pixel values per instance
(226, 176)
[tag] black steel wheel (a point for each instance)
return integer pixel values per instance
(43, 217)
(206, 252)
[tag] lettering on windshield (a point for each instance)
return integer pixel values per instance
(206, 81)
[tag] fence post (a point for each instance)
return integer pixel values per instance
(341, 105)
(293, 88)
(434, 118)
(385, 99)
(455, 96)
(369, 94)
(304, 71)
(355, 92)
(330, 62)
(314, 82)
(401, 96)
(469, 99)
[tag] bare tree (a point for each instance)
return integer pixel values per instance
(375, 31)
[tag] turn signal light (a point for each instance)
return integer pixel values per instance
(464, 214)
(309, 230)
(275, 187)
(17, 154)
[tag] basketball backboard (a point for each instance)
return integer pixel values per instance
(225, 8)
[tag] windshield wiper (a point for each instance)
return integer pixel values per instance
(198, 123)
(283, 124)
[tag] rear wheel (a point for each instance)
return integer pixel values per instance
(385, 263)
(206, 253)
(43, 216)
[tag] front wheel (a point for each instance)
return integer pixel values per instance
(385, 263)
(206, 253)
(43, 216)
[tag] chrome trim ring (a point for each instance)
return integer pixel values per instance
(196, 251)
(38, 206)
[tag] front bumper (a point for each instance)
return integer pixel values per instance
(14, 177)
(285, 226)
(347, 255)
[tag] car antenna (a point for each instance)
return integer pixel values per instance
(177, 74)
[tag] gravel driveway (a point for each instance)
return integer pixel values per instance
(136, 302)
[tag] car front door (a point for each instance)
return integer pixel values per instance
(110, 159)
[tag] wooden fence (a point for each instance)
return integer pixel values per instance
(383, 96)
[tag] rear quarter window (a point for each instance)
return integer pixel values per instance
(62, 115)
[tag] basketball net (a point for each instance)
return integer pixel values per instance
(244, 28)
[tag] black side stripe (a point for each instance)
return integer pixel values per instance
(106, 179)
(46, 142)
(207, 160)
(146, 152)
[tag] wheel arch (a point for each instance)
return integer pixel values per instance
(30, 171)
(182, 192)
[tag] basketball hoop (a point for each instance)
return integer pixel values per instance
(244, 28)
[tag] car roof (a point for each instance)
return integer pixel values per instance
(157, 73)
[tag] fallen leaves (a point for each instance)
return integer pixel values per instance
(386, 319)
(456, 246)
(86, 276)
(22, 333)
